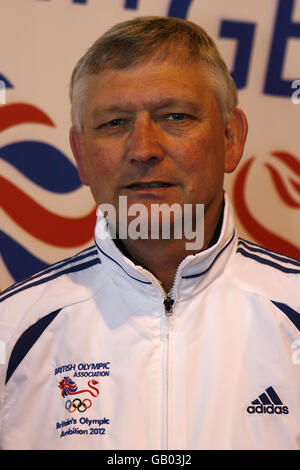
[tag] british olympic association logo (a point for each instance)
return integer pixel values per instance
(69, 388)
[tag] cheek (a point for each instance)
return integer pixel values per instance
(102, 162)
(199, 156)
(202, 165)
(102, 170)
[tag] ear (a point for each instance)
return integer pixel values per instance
(235, 136)
(76, 142)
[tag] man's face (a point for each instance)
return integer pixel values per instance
(155, 134)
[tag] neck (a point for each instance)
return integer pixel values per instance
(162, 257)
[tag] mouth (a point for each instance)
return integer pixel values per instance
(149, 185)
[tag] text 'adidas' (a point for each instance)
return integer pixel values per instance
(268, 402)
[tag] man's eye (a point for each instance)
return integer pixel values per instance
(177, 116)
(114, 123)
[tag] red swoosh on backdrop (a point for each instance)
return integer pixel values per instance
(296, 185)
(254, 228)
(279, 184)
(50, 228)
(289, 160)
(20, 113)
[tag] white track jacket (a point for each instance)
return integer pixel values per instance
(98, 356)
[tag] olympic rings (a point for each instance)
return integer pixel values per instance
(78, 406)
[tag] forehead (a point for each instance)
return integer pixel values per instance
(148, 84)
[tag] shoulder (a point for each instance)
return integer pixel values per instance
(268, 258)
(266, 272)
(75, 264)
(68, 281)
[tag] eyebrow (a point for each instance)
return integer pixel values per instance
(106, 109)
(164, 103)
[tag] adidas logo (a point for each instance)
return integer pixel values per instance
(268, 402)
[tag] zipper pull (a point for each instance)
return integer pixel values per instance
(168, 303)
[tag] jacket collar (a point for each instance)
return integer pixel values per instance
(194, 273)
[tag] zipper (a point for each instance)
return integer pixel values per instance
(168, 303)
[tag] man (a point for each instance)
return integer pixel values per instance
(144, 342)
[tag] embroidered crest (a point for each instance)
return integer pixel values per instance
(69, 387)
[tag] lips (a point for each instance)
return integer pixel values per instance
(149, 185)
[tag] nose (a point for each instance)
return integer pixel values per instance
(145, 140)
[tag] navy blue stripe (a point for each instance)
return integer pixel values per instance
(53, 267)
(220, 252)
(292, 314)
(72, 269)
(273, 395)
(264, 399)
(268, 262)
(277, 256)
(248, 242)
(120, 266)
(27, 340)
